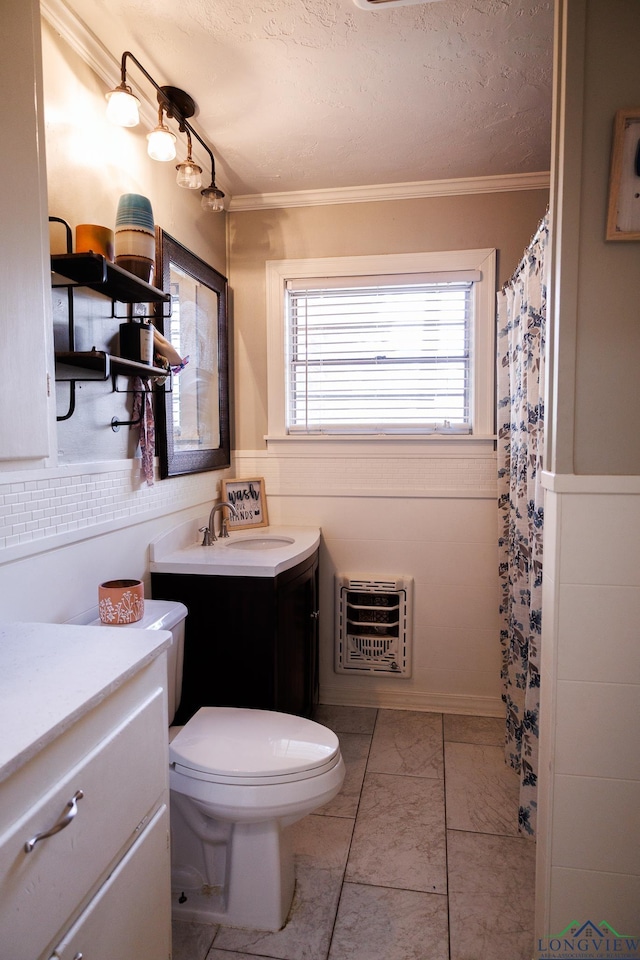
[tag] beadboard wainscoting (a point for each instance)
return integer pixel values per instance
(432, 518)
(589, 784)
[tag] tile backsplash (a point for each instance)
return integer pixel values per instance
(68, 502)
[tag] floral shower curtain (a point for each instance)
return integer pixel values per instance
(522, 307)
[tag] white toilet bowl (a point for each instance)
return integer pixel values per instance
(239, 778)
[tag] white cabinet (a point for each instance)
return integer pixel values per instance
(25, 295)
(127, 895)
(97, 884)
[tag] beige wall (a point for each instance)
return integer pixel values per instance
(598, 388)
(608, 345)
(502, 220)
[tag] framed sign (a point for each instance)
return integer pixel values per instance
(623, 216)
(249, 499)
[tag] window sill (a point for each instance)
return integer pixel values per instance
(378, 446)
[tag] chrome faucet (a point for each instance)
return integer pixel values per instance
(209, 532)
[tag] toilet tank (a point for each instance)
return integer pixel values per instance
(165, 615)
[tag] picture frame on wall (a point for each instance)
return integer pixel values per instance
(250, 500)
(623, 215)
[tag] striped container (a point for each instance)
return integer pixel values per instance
(135, 244)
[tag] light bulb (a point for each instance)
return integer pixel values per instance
(162, 143)
(212, 199)
(122, 107)
(189, 174)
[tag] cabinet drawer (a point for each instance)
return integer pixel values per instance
(122, 780)
(109, 929)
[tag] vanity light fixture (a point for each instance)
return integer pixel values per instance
(177, 105)
(189, 173)
(123, 107)
(161, 142)
(212, 198)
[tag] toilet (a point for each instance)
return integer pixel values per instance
(238, 778)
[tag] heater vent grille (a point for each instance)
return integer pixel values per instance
(373, 625)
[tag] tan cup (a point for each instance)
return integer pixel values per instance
(121, 601)
(92, 238)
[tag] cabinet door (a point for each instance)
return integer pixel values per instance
(130, 916)
(121, 780)
(297, 643)
(229, 640)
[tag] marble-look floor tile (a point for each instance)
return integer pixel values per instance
(321, 845)
(191, 940)
(463, 729)
(491, 896)
(482, 791)
(346, 719)
(378, 923)
(407, 742)
(355, 750)
(399, 837)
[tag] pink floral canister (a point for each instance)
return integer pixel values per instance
(121, 601)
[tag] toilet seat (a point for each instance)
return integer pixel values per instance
(250, 747)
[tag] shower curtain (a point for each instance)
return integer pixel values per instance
(522, 307)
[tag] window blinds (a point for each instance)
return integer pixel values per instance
(380, 355)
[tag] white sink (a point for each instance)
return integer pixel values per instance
(268, 542)
(246, 553)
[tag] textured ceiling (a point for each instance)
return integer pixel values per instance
(309, 94)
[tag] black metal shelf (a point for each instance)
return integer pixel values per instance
(72, 365)
(97, 273)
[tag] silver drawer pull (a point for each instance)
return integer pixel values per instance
(70, 811)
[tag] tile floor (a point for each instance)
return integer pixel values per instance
(418, 858)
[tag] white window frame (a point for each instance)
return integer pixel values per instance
(483, 338)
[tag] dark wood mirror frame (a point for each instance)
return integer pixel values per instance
(198, 457)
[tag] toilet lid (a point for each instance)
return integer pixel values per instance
(238, 742)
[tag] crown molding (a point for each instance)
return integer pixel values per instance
(394, 191)
(82, 41)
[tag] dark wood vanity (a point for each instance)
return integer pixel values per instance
(249, 641)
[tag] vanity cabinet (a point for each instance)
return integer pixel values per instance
(84, 824)
(249, 641)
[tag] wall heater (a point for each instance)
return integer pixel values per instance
(373, 626)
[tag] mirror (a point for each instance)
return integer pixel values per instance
(193, 412)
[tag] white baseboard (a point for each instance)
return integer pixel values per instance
(426, 702)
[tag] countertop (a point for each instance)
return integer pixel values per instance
(52, 674)
(180, 550)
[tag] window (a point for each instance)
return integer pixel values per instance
(384, 351)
